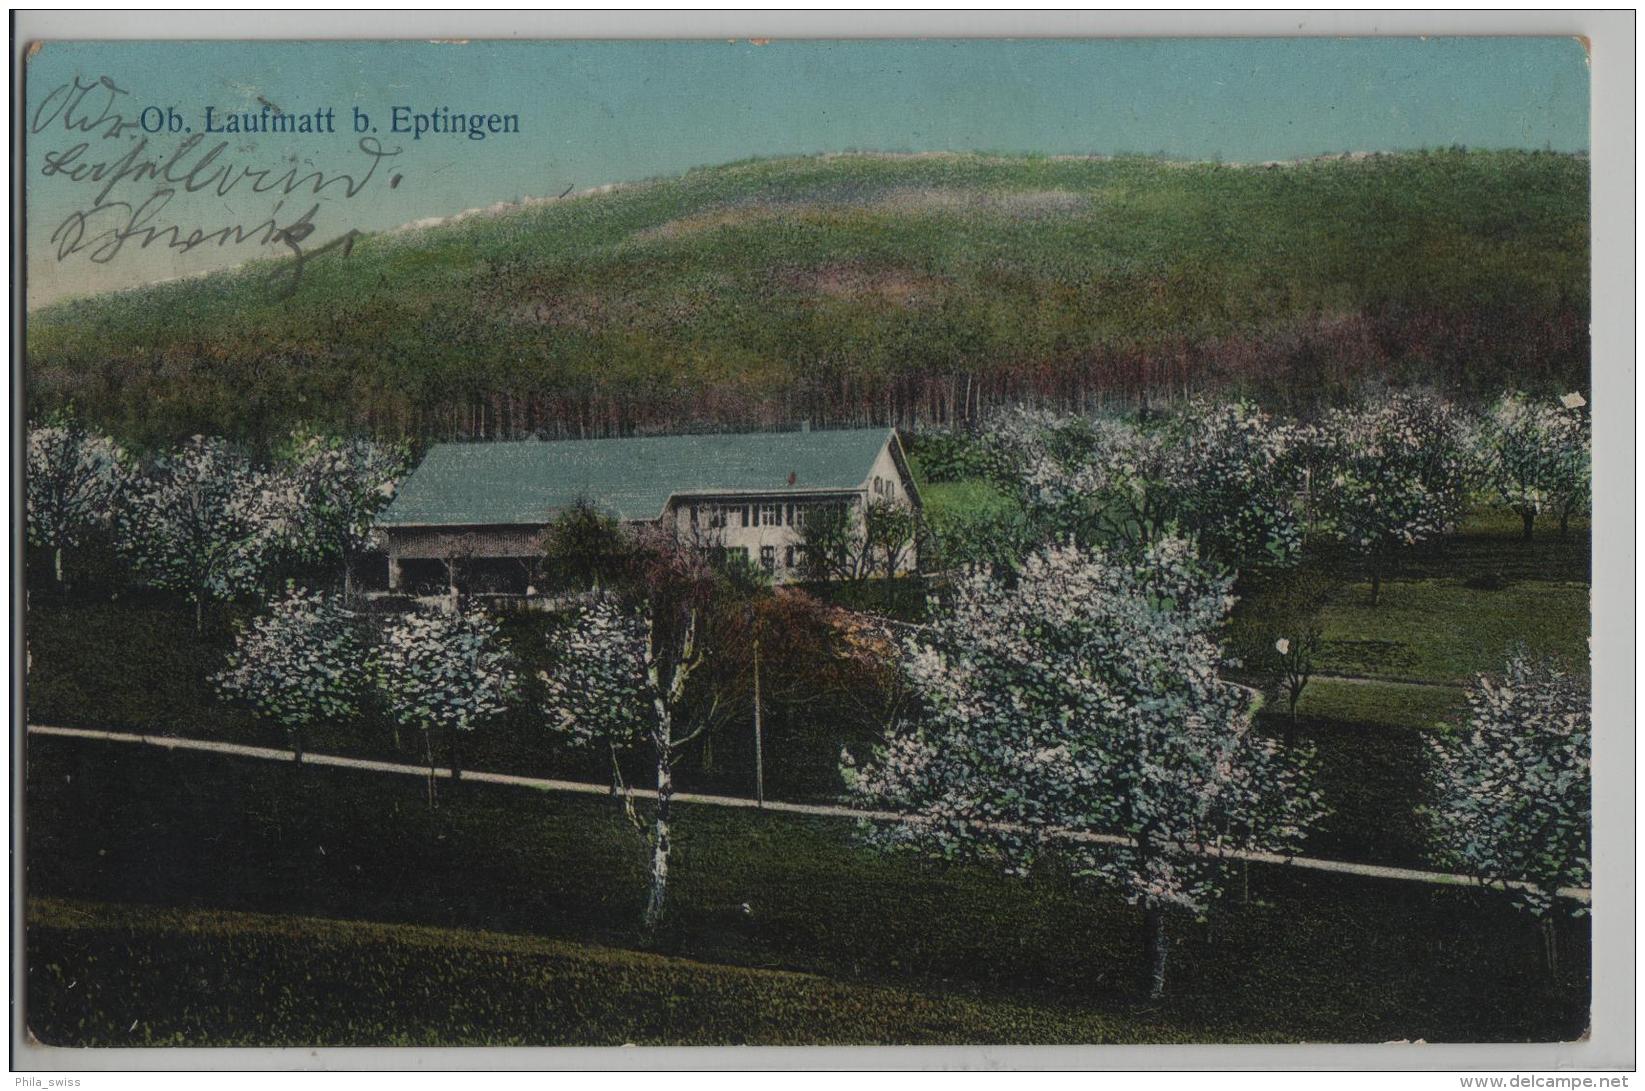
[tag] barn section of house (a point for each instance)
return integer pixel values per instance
(475, 513)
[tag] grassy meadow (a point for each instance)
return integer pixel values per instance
(355, 983)
(1310, 957)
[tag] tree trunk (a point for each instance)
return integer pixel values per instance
(1154, 951)
(1550, 946)
(1376, 578)
(1291, 724)
(428, 749)
(297, 745)
(759, 743)
(1564, 523)
(1529, 518)
(57, 565)
(199, 615)
(656, 903)
(456, 755)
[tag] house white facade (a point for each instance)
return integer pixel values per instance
(747, 494)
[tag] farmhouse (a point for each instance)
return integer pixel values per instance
(480, 509)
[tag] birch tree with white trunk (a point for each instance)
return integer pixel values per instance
(624, 681)
(1084, 697)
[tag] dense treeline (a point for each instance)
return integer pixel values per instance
(866, 290)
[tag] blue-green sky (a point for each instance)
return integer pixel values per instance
(599, 112)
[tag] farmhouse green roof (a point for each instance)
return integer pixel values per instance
(526, 482)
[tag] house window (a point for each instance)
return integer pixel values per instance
(723, 556)
(693, 515)
(790, 514)
(743, 510)
(716, 517)
(768, 558)
(788, 557)
(799, 515)
(771, 515)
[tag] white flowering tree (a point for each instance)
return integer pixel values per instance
(300, 663)
(624, 680)
(1228, 481)
(206, 523)
(1573, 485)
(1534, 455)
(74, 479)
(442, 674)
(1511, 789)
(1395, 473)
(1084, 700)
(1091, 480)
(339, 485)
(1215, 470)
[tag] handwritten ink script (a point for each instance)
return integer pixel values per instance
(129, 163)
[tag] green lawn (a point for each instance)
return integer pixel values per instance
(1487, 549)
(1381, 704)
(1373, 777)
(1313, 956)
(136, 975)
(132, 664)
(1440, 621)
(1441, 630)
(1450, 608)
(946, 500)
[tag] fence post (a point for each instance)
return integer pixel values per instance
(759, 746)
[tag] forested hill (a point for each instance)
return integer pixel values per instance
(864, 289)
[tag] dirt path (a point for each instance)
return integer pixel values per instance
(1372, 680)
(1343, 867)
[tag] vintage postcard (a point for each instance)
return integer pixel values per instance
(807, 542)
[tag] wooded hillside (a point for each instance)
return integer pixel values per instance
(864, 290)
